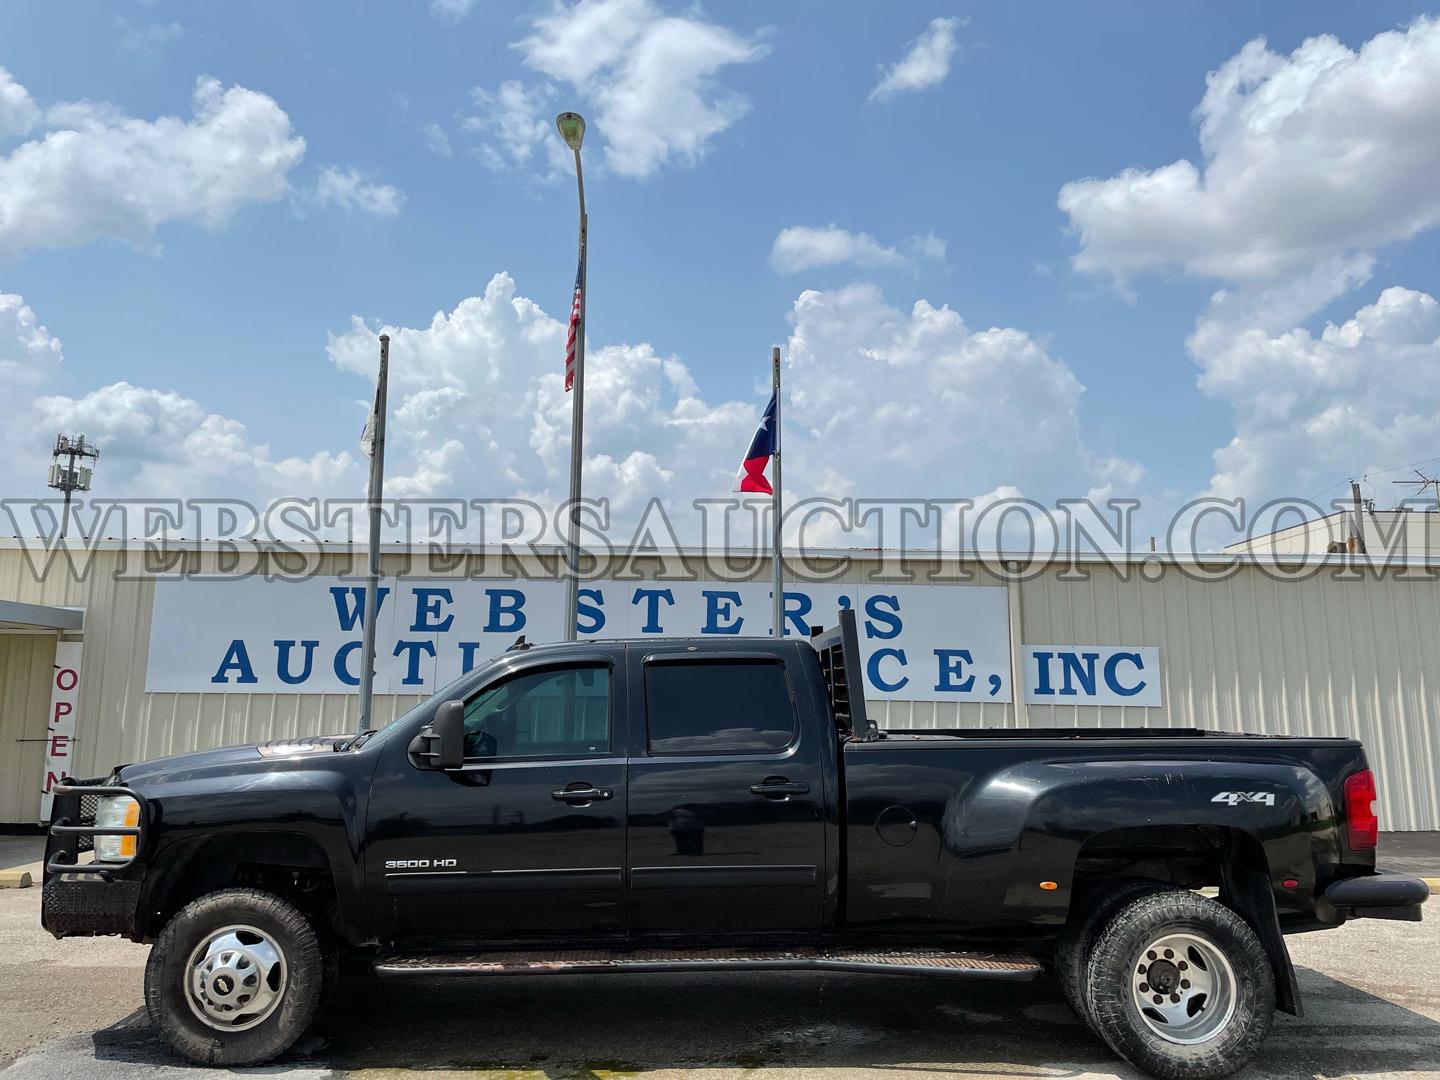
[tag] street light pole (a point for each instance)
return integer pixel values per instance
(572, 130)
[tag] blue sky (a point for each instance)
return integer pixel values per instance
(228, 298)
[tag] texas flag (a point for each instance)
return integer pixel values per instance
(751, 476)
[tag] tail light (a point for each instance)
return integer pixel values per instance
(1362, 827)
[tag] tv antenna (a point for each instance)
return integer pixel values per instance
(1421, 484)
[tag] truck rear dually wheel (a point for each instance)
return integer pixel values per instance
(1180, 986)
(235, 978)
(1087, 918)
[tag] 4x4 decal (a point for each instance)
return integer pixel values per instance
(1235, 798)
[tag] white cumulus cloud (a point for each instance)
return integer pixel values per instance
(350, 191)
(478, 406)
(454, 10)
(1326, 152)
(99, 173)
(803, 247)
(1313, 407)
(888, 402)
(18, 111)
(925, 63)
(29, 353)
(515, 122)
(648, 82)
(155, 444)
(881, 402)
(437, 139)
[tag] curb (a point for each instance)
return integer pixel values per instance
(1434, 883)
(15, 879)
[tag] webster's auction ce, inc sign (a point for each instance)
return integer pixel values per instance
(920, 643)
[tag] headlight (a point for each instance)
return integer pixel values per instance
(113, 811)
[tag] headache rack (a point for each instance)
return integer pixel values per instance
(839, 651)
(73, 829)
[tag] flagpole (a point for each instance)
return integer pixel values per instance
(372, 581)
(778, 563)
(572, 130)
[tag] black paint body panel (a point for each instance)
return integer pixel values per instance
(915, 837)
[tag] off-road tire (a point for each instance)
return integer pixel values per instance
(1072, 951)
(166, 994)
(1114, 1011)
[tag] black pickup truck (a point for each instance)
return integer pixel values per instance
(689, 804)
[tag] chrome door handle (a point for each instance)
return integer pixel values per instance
(779, 789)
(579, 794)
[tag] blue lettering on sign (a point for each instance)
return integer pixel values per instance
(350, 604)
(889, 621)
(1042, 684)
(427, 611)
(652, 598)
(413, 649)
(507, 611)
(1113, 681)
(797, 606)
(592, 611)
(952, 666)
(1070, 665)
(282, 661)
(342, 664)
(721, 604)
(1089, 673)
(237, 659)
(873, 670)
(467, 656)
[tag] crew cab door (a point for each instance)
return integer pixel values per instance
(527, 840)
(726, 794)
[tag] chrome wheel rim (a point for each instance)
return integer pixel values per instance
(1184, 988)
(236, 978)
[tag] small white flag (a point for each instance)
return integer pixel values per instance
(367, 437)
(367, 433)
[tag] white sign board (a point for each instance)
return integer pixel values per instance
(249, 635)
(64, 710)
(1092, 675)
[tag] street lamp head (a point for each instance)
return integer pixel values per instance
(572, 129)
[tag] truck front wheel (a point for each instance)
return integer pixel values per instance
(1180, 986)
(235, 978)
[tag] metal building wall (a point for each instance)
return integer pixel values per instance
(1251, 652)
(1358, 656)
(26, 662)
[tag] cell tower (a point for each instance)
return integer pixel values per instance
(68, 476)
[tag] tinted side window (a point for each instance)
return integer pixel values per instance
(718, 707)
(555, 713)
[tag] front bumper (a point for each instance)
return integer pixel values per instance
(84, 896)
(1382, 895)
(79, 905)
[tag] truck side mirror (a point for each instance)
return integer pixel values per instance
(441, 743)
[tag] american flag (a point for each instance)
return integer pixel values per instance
(575, 330)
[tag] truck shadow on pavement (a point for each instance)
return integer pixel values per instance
(566, 1028)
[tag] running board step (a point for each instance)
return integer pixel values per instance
(1014, 967)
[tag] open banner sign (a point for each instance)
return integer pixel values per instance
(60, 725)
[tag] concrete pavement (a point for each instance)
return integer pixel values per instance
(71, 1010)
(20, 858)
(1416, 853)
